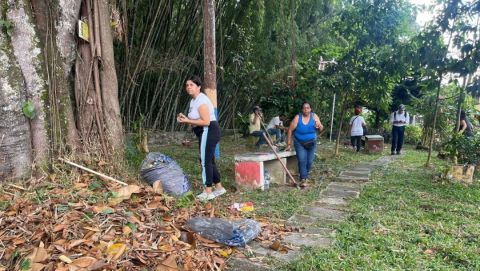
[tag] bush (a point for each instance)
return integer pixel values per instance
(465, 149)
(413, 134)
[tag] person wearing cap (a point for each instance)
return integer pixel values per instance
(399, 120)
(255, 125)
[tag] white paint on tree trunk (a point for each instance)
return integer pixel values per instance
(65, 39)
(28, 54)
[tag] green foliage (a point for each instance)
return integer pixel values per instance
(7, 26)
(29, 110)
(25, 264)
(133, 156)
(243, 121)
(185, 200)
(465, 149)
(132, 226)
(413, 134)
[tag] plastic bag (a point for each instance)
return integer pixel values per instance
(158, 166)
(231, 233)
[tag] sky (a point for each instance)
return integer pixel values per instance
(426, 15)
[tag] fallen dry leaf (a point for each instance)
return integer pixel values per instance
(83, 262)
(125, 193)
(169, 264)
(39, 255)
(115, 251)
(75, 243)
(65, 259)
(37, 267)
(277, 246)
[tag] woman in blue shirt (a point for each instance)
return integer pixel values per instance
(304, 128)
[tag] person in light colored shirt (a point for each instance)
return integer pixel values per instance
(201, 115)
(275, 127)
(356, 129)
(399, 120)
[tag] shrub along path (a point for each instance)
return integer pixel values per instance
(315, 219)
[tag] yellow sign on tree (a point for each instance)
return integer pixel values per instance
(83, 30)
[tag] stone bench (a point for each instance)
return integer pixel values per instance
(250, 168)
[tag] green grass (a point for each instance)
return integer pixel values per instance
(406, 219)
(280, 201)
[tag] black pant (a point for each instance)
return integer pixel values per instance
(356, 142)
(397, 138)
(208, 138)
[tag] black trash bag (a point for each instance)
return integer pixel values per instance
(231, 233)
(158, 166)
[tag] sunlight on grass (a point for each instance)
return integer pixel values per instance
(405, 221)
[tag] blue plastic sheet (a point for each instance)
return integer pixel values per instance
(231, 233)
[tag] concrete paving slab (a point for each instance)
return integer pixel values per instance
(344, 186)
(326, 232)
(351, 179)
(332, 201)
(308, 240)
(306, 221)
(259, 250)
(326, 213)
(342, 194)
(244, 264)
(355, 173)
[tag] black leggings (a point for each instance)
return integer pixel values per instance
(356, 142)
(208, 137)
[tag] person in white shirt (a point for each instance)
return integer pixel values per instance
(201, 116)
(357, 123)
(275, 127)
(399, 120)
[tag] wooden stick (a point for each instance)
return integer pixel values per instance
(16, 186)
(92, 171)
(280, 160)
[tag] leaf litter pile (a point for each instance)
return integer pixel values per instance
(91, 224)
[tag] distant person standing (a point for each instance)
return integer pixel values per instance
(201, 116)
(466, 127)
(357, 123)
(399, 120)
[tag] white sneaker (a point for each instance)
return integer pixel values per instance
(206, 196)
(219, 192)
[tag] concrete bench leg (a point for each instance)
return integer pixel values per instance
(276, 171)
(249, 174)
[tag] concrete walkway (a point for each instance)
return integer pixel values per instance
(316, 219)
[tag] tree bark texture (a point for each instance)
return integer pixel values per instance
(36, 56)
(15, 140)
(50, 22)
(29, 57)
(210, 74)
(108, 79)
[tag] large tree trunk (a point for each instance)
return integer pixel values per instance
(108, 79)
(54, 20)
(29, 56)
(15, 140)
(36, 56)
